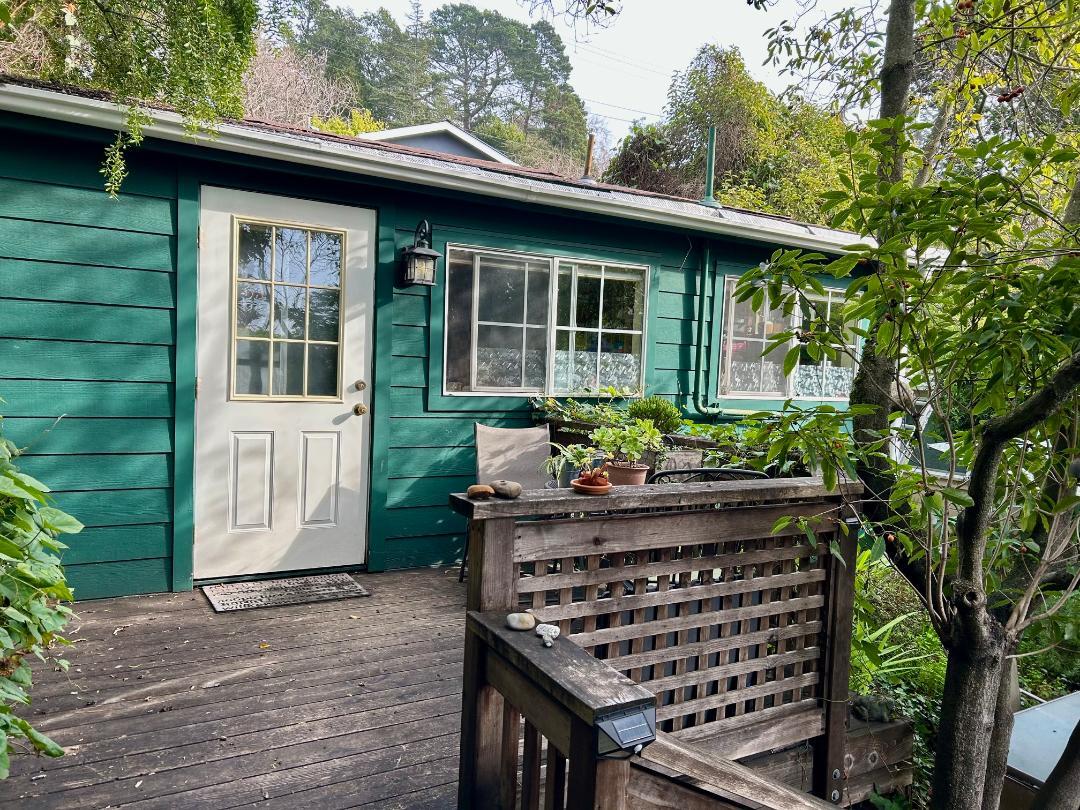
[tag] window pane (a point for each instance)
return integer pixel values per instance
(326, 259)
(588, 300)
(620, 361)
(535, 357)
(459, 281)
(323, 315)
(289, 312)
(772, 373)
(253, 251)
(322, 371)
(502, 290)
(291, 248)
(837, 382)
(744, 365)
(806, 380)
(252, 309)
(744, 321)
(289, 369)
(537, 305)
(565, 295)
(575, 361)
(498, 356)
(623, 305)
(252, 367)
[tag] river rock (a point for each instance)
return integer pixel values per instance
(506, 489)
(520, 621)
(479, 492)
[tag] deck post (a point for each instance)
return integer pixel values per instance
(490, 587)
(829, 770)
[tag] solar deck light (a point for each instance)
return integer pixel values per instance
(420, 259)
(620, 736)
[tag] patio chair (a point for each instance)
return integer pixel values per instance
(695, 475)
(512, 454)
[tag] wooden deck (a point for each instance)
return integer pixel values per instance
(342, 704)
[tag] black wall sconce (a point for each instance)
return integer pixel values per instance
(419, 260)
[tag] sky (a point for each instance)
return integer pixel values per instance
(623, 71)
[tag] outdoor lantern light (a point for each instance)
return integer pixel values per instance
(420, 259)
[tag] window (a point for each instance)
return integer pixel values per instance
(520, 324)
(287, 288)
(746, 372)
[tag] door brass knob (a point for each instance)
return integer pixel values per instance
(359, 409)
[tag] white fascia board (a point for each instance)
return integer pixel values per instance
(440, 127)
(328, 154)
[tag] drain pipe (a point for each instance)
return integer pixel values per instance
(701, 396)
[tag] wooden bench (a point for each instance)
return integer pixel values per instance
(681, 599)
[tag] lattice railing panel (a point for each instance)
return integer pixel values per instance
(707, 608)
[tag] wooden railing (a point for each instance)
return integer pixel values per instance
(684, 593)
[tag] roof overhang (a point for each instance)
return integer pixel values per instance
(427, 172)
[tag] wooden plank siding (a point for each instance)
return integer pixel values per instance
(87, 336)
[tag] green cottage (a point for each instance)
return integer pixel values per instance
(248, 386)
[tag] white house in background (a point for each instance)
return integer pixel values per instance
(441, 136)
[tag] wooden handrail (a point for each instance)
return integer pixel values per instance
(547, 502)
(583, 685)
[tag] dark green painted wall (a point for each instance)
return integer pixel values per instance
(87, 333)
(91, 327)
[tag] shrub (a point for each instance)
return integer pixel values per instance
(662, 412)
(32, 589)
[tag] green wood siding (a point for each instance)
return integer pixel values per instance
(86, 335)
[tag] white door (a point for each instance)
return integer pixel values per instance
(284, 336)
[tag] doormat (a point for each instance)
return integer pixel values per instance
(275, 592)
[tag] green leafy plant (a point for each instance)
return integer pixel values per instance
(578, 457)
(601, 411)
(32, 592)
(662, 412)
(627, 444)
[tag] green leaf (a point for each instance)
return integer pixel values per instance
(59, 520)
(834, 550)
(957, 496)
(791, 359)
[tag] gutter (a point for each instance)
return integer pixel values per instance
(340, 157)
(701, 395)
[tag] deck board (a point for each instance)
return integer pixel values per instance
(331, 705)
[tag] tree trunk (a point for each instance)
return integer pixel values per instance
(967, 711)
(997, 762)
(1062, 788)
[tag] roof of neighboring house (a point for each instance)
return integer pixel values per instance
(433, 170)
(443, 128)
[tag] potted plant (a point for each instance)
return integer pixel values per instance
(591, 480)
(624, 446)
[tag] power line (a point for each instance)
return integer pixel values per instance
(624, 69)
(622, 57)
(627, 109)
(627, 62)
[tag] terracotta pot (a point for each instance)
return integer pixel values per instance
(590, 489)
(632, 475)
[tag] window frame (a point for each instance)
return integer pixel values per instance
(271, 284)
(552, 261)
(726, 337)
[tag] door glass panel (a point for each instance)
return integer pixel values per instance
(253, 250)
(323, 315)
(326, 259)
(288, 369)
(289, 312)
(290, 261)
(252, 309)
(252, 367)
(298, 303)
(322, 380)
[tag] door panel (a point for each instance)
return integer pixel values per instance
(284, 333)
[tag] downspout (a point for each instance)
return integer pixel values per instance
(701, 395)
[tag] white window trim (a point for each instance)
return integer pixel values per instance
(551, 327)
(725, 369)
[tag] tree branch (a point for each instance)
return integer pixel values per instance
(973, 526)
